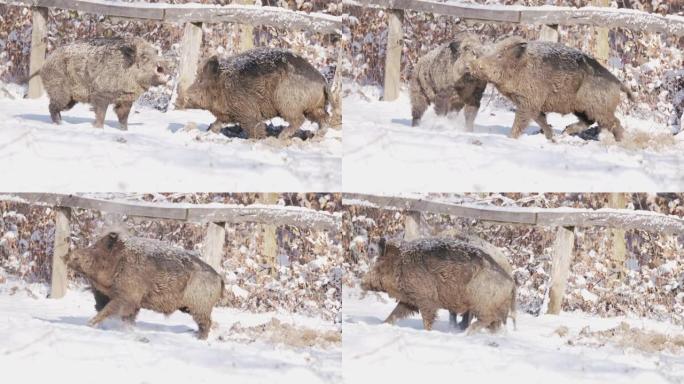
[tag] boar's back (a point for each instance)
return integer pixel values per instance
(265, 61)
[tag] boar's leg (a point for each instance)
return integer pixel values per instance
(429, 314)
(442, 104)
(122, 110)
(611, 123)
(545, 127)
(216, 126)
(100, 107)
(114, 307)
(476, 327)
(419, 102)
(470, 112)
(465, 320)
(130, 318)
(255, 129)
(56, 108)
(295, 122)
(402, 310)
(100, 300)
(522, 120)
(583, 123)
(203, 320)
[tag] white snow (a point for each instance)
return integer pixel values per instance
(377, 352)
(382, 152)
(157, 153)
(48, 340)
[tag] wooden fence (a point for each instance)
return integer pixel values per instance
(564, 220)
(214, 215)
(192, 14)
(549, 17)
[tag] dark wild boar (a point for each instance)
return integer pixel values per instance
(102, 72)
(258, 85)
(428, 274)
(440, 78)
(128, 273)
(542, 77)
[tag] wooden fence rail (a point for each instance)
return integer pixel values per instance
(549, 17)
(197, 13)
(214, 215)
(564, 220)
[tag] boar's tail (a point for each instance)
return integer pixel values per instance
(626, 90)
(512, 314)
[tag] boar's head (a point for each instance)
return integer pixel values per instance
(149, 69)
(98, 260)
(198, 95)
(463, 51)
(495, 63)
(383, 274)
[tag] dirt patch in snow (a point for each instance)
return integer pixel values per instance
(277, 332)
(627, 337)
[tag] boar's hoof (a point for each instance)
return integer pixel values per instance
(215, 126)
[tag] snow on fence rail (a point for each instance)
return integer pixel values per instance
(215, 215)
(192, 14)
(551, 16)
(564, 219)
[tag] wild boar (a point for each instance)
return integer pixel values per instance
(258, 85)
(542, 77)
(102, 72)
(428, 274)
(498, 257)
(440, 78)
(128, 273)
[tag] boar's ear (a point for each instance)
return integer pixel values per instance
(128, 52)
(382, 243)
(112, 238)
(454, 46)
(212, 65)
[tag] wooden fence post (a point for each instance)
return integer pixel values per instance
(560, 267)
(191, 45)
(213, 245)
(602, 47)
(412, 225)
(270, 245)
(246, 31)
(39, 32)
(58, 284)
(617, 200)
(549, 33)
(395, 44)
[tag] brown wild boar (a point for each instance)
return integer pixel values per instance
(128, 273)
(102, 72)
(258, 85)
(428, 274)
(542, 77)
(498, 257)
(440, 78)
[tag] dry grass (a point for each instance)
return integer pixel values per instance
(277, 332)
(639, 140)
(627, 337)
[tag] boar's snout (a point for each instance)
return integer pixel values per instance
(161, 75)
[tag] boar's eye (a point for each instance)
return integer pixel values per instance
(160, 69)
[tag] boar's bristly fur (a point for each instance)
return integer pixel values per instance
(258, 85)
(428, 274)
(542, 77)
(101, 72)
(129, 273)
(440, 78)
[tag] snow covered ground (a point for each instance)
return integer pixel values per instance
(45, 340)
(382, 152)
(534, 353)
(157, 153)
